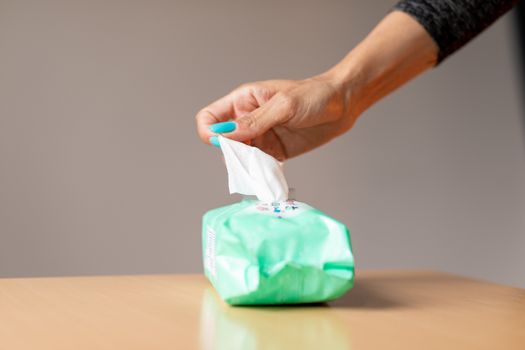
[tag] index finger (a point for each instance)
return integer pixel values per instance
(219, 111)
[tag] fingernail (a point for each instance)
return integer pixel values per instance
(223, 127)
(214, 140)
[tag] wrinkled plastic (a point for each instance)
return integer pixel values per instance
(276, 253)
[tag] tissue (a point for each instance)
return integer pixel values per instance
(272, 250)
(253, 172)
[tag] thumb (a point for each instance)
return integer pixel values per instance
(278, 110)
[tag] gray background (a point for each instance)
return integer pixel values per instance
(101, 171)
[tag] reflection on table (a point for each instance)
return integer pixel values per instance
(225, 327)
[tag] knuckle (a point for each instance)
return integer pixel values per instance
(247, 89)
(244, 88)
(287, 101)
(287, 104)
(200, 115)
(248, 122)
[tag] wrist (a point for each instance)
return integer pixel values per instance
(349, 79)
(397, 50)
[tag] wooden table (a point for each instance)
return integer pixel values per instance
(385, 310)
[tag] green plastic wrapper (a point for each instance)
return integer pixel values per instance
(287, 252)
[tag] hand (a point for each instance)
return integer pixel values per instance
(283, 118)
(288, 117)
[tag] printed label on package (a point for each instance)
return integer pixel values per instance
(283, 209)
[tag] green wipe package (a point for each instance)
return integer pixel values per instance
(276, 251)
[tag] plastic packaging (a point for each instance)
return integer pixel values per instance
(282, 252)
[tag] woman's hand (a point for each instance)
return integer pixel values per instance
(284, 118)
(288, 117)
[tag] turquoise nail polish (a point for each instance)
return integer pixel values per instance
(223, 127)
(214, 140)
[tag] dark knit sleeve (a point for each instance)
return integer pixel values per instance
(452, 23)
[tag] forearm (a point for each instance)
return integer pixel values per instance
(397, 50)
(420, 34)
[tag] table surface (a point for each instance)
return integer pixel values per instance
(386, 309)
